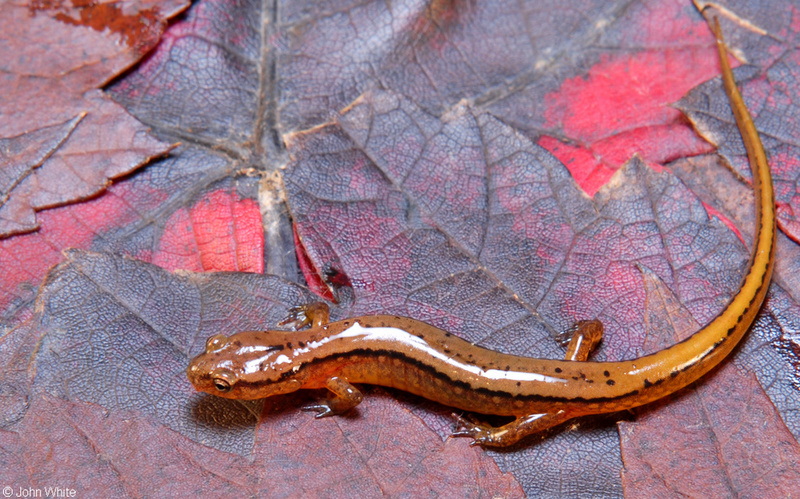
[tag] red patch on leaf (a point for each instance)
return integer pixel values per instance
(623, 107)
(26, 258)
(588, 169)
(313, 277)
(712, 212)
(220, 232)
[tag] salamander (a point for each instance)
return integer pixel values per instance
(417, 357)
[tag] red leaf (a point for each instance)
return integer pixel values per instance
(404, 199)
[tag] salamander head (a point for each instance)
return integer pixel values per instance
(248, 365)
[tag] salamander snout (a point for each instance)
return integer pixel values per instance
(205, 371)
(206, 375)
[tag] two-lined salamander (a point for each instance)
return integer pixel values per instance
(414, 356)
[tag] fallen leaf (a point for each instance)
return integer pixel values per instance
(769, 83)
(110, 369)
(54, 57)
(737, 446)
(417, 185)
(772, 353)
(20, 155)
(379, 216)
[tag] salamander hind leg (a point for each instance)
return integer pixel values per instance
(312, 314)
(509, 434)
(346, 397)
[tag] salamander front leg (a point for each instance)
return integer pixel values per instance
(312, 314)
(581, 339)
(346, 396)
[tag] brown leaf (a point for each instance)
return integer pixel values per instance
(20, 155)
(51, 66)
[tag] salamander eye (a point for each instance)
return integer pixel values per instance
(216, 342)
(223, 380)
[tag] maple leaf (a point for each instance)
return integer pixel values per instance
(45, 87)
(428, 160)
